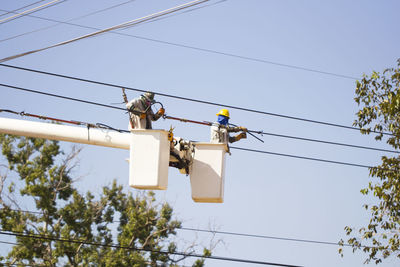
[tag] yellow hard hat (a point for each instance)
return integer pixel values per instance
(224, 112)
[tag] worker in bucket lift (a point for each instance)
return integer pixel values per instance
(221, 129)
(140, 111)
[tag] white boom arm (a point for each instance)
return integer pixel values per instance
(91, 136)
(149, 160)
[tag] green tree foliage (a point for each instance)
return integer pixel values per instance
(378, 96)
(43, 181)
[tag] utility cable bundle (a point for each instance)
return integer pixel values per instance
(116, 27)
(104, 126)
(84, 242)
(204, 122)
(54, 2)
(192, 99)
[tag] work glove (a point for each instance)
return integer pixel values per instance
(244, 129)
(161, 112)
(241, 136)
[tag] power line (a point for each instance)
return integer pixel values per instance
(52, 3)
(237, 234)
(8, 243)
(61, 22)
(262, 236)
(16, 264)
(43, 237)
(184, 120)
(192, 48)
(187, 11)
(127, 24)
(15, 10)
(302, 157)
(325, 142)
(192, 100)
(98, 11)
(62, 97)
(239, 148)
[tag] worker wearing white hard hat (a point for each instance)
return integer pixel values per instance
(141, 113)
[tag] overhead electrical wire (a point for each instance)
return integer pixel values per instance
(232, 147)
(84, 242)
(186, 11)
(62, 97)
(41, 7)
(302, 157)
(18, 9)
(189, 47)
(184, 120)
(263, 236)
(236, 233)
(205, 123)
(124, 25)
(65, 22)
(325, 142)
(16, 264)
(194, 100)
(8, 243)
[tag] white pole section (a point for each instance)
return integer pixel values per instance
(90, 136)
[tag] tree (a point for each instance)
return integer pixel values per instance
(378, 96)
(72, 229)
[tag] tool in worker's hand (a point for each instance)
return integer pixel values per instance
(126, 102)
(241, 136)
(161, 111)
(246, 130)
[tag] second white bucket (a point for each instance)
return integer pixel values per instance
(207, 175)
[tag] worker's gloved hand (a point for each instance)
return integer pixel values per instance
(244, 129)
(143, 115)
(161, 112)
(241, 136)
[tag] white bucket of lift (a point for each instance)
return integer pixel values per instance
(207, 175)
(149, 159)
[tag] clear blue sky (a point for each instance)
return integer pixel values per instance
(264, 194)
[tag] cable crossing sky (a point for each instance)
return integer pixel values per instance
(204, 123)
(259, 60)
(31, 10)
(191, 99)
(124, 25)
(60, 22)
(194, 255)
(104, 126)
(236, 233)
(23, 7)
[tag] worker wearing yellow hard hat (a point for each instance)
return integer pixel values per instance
(223, 112)
(220, 130)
